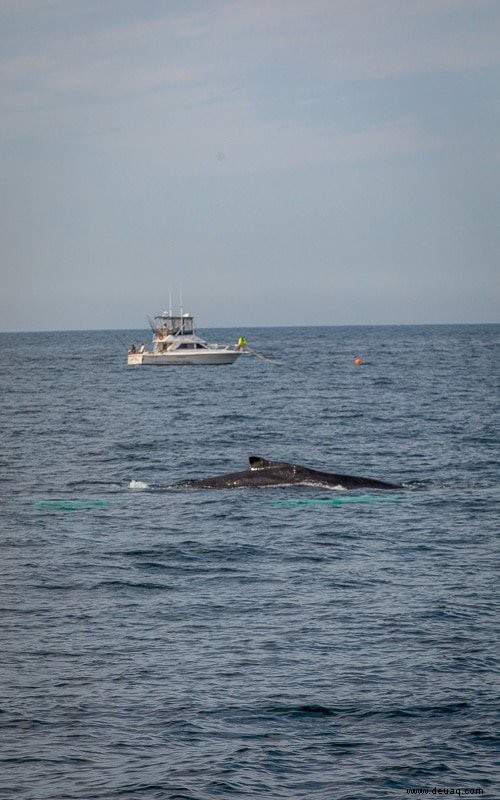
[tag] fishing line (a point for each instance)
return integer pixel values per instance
(253, 352)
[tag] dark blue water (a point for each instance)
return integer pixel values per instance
(289, 642)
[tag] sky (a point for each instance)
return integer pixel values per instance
(284, 162)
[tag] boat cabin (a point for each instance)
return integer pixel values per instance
(174, 325)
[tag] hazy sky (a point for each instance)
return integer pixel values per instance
(286, 161)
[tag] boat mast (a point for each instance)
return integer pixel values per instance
(181, 309)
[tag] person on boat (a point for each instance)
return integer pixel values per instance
(241, 343)
(132, 349)
(142, 348)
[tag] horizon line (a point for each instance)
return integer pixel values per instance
(233, 327)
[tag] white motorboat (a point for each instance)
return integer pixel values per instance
(175, 342)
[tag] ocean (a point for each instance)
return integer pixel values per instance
(290, 642)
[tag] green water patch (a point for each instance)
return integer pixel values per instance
(71, 505)
(360, 499)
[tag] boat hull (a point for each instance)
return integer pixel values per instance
(183, 358)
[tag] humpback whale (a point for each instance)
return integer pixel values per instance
(280, 473)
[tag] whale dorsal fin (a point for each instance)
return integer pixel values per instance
(256, 462)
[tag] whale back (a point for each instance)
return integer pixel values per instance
(263, 472)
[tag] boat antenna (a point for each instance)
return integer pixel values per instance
(169, 301)
(180, 298)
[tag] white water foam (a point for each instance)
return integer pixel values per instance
(138, 485)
